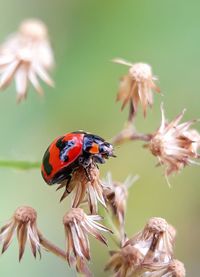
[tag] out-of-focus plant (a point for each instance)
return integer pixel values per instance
(149, 253)
(26, 56)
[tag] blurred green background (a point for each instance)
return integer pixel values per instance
(86, 35)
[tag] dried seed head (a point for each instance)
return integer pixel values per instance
(26, 56)
(116, 195)
(141, 72)
(78, 226)
(175, 144)
(177, 268)
(173, 268)
(137, 87)
(25, 214)
(156, 225)
(33, 28)
(75, 214)
(84, 185)
(155, 241)
(24, 222)
(125, 261)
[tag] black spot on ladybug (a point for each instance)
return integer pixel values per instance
(60, 143)
(47, 166)
(64, 147)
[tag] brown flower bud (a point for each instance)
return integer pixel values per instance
(174, 144)
(26, 56)
(24, 223)
(136, 87)
(85, 185)
(173, 268)
(125, 261)
(155, 241)
(78, 226)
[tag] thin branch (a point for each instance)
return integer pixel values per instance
(109, 223)
(22, 165)
(51, 247)
(129, 133)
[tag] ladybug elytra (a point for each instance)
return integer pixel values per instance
(68, 152)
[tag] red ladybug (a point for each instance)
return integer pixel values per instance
(68, 152)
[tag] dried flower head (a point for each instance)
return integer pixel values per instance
(116, 195)
(174, 268)
(24, 222)
(175, 144)
(78, 226)
(25, 56)
(85, 184)
(136, 87)
(155, 241)
(125, 261)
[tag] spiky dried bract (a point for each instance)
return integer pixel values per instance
(156, 240)
(24, 223)
(154, 248)
(85, 185)
(174, 268)
(175, 144)
(78, 226)
(125, 261)
(26, 56)
(116, 195)
(136, 87)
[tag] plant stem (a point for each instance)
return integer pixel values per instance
(51, 247)
(22, 165)
(130, 133)
(109, 223)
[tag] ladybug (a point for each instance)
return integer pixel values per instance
(66, 153)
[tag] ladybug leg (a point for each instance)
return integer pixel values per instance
(87, 173)
(85, 163)
(98, 159)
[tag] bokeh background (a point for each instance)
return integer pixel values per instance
(86, 35)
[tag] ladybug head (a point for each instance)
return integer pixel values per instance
(97, 147)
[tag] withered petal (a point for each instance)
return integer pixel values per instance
(22, 238)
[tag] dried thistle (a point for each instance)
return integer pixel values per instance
(174, 268)
(149, 250)
(85, 185)
(78, 226)
(25, 56)
(175, 144)
(155, 241)
(24, 223)
(125, 261)
(136, 87)
(116, 195)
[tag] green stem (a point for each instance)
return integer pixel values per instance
(23, 165)
(109, 223)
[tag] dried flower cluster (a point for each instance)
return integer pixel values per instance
(77, 227)
(148, 253)
(175, 144)
(24, 223)
(85, 189)
(25, 56)
(136, 87)
(116, 195)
